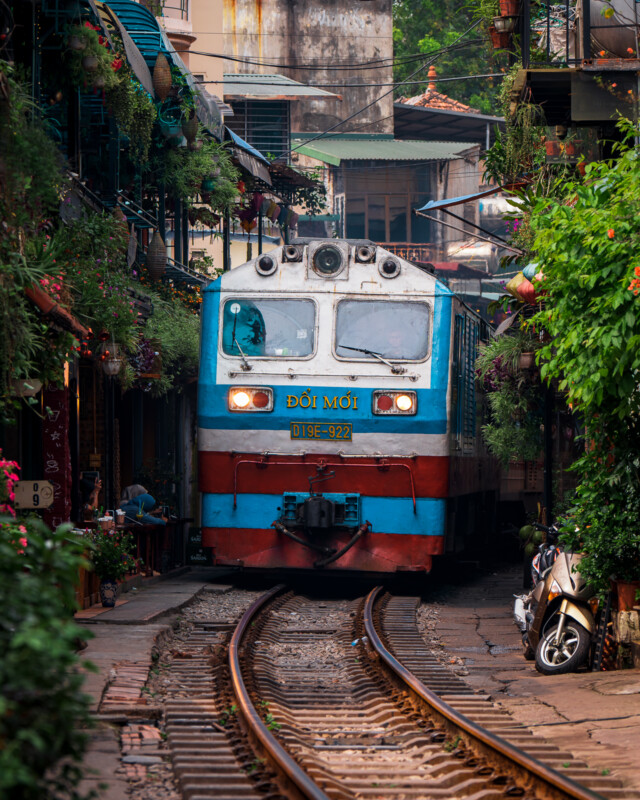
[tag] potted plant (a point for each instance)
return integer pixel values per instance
(111, 557)
(514, 397)
(604, 524)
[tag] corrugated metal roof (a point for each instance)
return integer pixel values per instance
(268, 87)
(333, 151)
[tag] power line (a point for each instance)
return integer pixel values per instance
(379, 63)
(454, 46)
(365, 85)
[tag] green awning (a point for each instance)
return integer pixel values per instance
(335, 150)
(250, 86)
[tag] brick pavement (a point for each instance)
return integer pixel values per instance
(596, 716)
(121, 647)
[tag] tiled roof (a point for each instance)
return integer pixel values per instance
(433, 99)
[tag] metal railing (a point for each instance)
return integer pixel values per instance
(575, 32)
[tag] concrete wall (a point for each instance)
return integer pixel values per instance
(206, 21)
(287, 35)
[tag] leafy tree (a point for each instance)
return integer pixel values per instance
(586, 246)
(427, 26)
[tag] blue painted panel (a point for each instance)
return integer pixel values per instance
(386, 514)
(212, 399)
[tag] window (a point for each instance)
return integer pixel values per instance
(391, 329)
(268, 327)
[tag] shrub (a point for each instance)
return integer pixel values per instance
(42, 708)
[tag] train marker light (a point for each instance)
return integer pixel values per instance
(390, 402)
(250, 398)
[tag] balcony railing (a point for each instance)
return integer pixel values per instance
(577, 33)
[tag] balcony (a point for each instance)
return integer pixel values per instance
(580, 61)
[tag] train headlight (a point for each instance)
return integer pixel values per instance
(404, 402)
(327, 260)
(250, 398)
(389, 402)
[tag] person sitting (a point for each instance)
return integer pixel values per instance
(90, 490)
(138, 506)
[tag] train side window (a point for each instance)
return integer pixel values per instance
(268, 327)
(398, 330)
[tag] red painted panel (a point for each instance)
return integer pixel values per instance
(268, 549)
(224, 473)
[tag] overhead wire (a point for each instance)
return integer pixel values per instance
(379, 63)
(362, 85)
(390, 91)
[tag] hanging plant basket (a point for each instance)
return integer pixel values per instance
(162, 77)
(156, 257)
(77, 42)
(90, 63)
(190, 127)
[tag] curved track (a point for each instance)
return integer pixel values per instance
(342, 721)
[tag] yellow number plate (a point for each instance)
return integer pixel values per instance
(321, 430)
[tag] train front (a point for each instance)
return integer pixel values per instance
(323, 411)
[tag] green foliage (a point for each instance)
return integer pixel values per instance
(31, 185)
(92, 250)
(427, 26)
(96, 46)
(42, 709)
(182, 170)
(587, 250)
(514, 396)
(179, 332)
(135, 113)
(111, 553)
(604, 520)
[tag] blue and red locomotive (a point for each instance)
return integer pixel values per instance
(338, 415)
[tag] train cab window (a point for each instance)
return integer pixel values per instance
(397, 330)
(268, 327)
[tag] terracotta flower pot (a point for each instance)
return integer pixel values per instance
(627, 594)
(499, 39)
(509, 8)
(552, 147)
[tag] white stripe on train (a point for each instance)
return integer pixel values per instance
(363, 444)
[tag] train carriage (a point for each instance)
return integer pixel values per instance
(338, 415)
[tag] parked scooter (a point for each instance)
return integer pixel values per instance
(556, 618)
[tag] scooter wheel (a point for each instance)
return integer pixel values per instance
(568, 654)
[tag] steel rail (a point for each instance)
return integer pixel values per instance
(518, 763)
(272, 747)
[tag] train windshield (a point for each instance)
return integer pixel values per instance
(391, 329)
(268, 327)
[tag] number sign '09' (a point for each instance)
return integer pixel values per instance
(33, 494)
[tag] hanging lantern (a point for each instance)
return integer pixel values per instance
(190, 127)
(111, 358)
(162, 77)
(156, 257)
(265, 206)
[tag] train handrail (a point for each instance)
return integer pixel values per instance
(271, 745)
(264, 463)
(508, 752)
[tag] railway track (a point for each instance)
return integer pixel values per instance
(341, 699)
